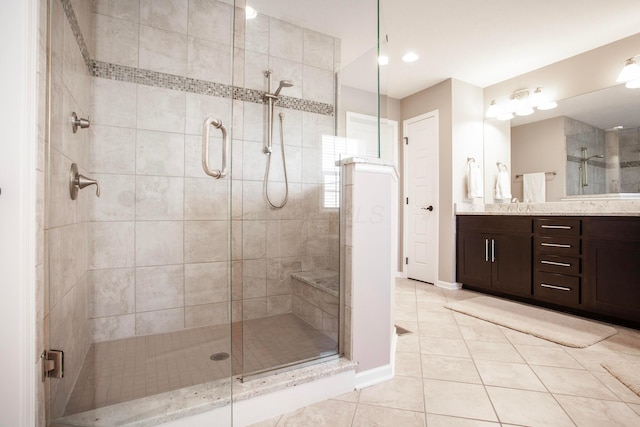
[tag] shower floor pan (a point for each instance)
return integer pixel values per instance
(132, 368)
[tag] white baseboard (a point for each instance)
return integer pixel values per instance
(380, 374)
(374, 376)
(448, 285)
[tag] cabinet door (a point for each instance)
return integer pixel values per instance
(612, 274)
(512, 268)
(474, 262)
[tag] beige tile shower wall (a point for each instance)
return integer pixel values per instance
(66, 226)
(159, 235)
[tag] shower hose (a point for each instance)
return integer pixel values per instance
(284, 167)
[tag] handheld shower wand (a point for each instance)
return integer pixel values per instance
(270, 99)
(584, 179)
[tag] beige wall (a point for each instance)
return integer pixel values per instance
(587, 72)
(539, 147)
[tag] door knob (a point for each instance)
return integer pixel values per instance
(428, 208)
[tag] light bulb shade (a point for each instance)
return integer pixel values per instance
(631, 71)
(506, 115)
(383, 60)
(633, 84)
(549, 105)
(493, 110)
(514, 104)
(524, 110)
(537, 98)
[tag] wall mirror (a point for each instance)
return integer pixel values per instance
(601, 140)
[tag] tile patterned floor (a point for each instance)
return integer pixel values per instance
(126, 369)
(455, 370)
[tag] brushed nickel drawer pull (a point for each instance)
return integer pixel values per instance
(486, 250)
(559, 264)
(559, 288)
(555, 245)
(557, 227)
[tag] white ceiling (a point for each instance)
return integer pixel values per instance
(481, 42)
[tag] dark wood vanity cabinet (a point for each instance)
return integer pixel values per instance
(588, 265)
(494, 253)
(612, 266)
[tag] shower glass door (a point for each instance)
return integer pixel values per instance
(138, 280)
(287, 298)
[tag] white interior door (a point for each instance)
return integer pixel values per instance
(421, 197)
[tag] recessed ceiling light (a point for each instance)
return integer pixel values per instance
(250, 12)
(383, 60)
(410, 57)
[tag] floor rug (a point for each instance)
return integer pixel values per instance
(627, 373)
(550, 325)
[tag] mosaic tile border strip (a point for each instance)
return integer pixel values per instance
(77, 32)
(591, 162)
(186, 84)
(128, 74)
(629, 164)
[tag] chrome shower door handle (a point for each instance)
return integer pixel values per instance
(216, 173)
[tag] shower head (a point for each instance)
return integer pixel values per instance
(598, 156)
(283, 84)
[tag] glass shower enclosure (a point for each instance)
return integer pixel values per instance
(192, 231)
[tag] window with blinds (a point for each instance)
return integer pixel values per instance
(334, 148)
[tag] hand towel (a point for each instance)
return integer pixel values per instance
(474, 181)
(503, 186)
(534, 187)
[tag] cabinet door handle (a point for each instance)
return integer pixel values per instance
(557, 227)
(559, 288)
(493, 250)
(555, 245)
(559, 264)
(486, 250)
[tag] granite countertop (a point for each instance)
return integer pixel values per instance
(572, 208)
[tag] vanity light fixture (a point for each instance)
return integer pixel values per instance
(633, 84)
(522, 102)
(630, 74)
(250, 13)
(410, 57)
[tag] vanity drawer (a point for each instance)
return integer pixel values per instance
(557, 264)
(557, 245)
(556, 288)
(557, 226)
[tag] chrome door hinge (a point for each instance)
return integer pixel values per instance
(406, 260)
(52, 364)
(406, 140)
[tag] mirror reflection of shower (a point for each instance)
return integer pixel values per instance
(270, 99)
(584, 178)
